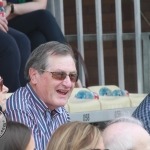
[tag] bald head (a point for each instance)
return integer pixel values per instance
(125, 136)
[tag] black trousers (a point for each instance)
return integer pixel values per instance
(40, 26)
(14, 51)
(35, 28)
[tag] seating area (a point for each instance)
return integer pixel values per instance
(103, 109)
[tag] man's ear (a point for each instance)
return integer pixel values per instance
(33, 75)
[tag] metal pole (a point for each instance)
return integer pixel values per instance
(51, 7)
(137, 16)
(119, 44)
(80, 38)
(100, 53)
(59, 14)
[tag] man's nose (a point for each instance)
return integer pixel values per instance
(67, 82)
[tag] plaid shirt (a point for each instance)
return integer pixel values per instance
(142, 113)
(24, 106)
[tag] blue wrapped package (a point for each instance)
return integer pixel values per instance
(105, 91)
(83, 94)
(120, 93)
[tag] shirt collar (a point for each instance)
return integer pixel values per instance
(41, 106)
(59, 110)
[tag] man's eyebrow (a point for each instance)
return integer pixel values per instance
(59, 70)
(74, 72)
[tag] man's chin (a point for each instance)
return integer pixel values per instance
(64, 102)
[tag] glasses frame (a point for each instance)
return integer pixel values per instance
(53, 76)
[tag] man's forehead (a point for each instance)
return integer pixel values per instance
(62, 62)
(116, 126)
(123, 126)
(51, 57)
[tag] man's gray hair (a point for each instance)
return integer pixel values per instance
(38, 59)
(121, 140)
(127, 119)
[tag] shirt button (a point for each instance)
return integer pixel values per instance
(53, 113)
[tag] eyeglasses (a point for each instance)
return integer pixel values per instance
(62, 75)
(1, 83)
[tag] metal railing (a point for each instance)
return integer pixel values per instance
(142, 64)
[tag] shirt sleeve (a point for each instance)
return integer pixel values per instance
(25, 118)
(20, 116)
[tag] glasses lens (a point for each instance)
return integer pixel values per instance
(62, 76)
(73, 77)
(59, 75)
(1, 83)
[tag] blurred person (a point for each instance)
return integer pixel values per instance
(3, 91)
(126, 133)
(17, 137)
(51, 75)
(26, 26)
(14, 52)
(31, 18)
(76, 136)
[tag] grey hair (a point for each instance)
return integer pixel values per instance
(38, 59)
(122, 140)
(127, 119)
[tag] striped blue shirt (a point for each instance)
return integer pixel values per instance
(24, 106)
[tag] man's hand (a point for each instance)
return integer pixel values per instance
(3, 24)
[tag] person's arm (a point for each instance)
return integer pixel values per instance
(23, 8)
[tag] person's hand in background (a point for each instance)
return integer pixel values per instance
(3, 24)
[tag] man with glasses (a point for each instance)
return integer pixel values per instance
(51, 75)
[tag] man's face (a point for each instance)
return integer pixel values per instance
(53, 92)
